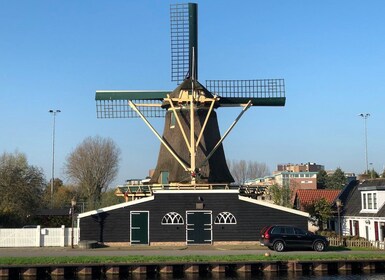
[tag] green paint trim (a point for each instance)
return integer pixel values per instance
(131, 94)
(260, 101)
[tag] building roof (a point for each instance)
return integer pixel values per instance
(308, 196)
(353, 205)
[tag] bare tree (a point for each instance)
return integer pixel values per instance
(246, 170)
(93, 165)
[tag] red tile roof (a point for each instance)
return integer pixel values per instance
(308, 196)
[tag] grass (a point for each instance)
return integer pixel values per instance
(185, 259)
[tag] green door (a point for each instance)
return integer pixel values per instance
(199, 227)
(139, 227)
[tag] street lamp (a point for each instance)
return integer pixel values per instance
(53, 112)
(339, 205)
(73, 204)
(365, 116)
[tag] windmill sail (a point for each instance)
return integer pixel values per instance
(114, 103)
(184, 41)
(266, 92)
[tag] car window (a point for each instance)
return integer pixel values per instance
(277, 230)
(289, 230)
(299, 231)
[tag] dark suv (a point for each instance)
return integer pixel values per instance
(280, 237)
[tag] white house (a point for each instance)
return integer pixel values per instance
(364, 211)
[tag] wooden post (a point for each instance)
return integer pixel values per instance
(87, 270)
(139, 269)
(4, 272)
(191, 268)
(319, 266)
(112, 270)
(167, 269)
(271, 267)
(219, 268)
(57, 271)
(244, 268)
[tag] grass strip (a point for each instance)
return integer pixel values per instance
(66, 260)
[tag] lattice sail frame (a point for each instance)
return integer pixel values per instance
(115, 104)
(184, 41)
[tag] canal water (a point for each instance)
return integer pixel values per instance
(235, 276)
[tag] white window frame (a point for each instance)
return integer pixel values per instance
(369, 202)
(172, 218)
(225, 218)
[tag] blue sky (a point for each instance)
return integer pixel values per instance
(56, 54)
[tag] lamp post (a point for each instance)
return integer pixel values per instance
(365, 117)
(339, 205)
(53, 112)
(73, 204)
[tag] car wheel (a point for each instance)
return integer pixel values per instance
(319, 246)
(279, 246)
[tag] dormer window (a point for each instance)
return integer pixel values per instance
(369, 201)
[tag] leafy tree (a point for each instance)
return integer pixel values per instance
(109, 198)
(322, 179)
(320, 210)
(246, 170)
(280, 195)
(61, 196)
(21, 186)
(337, 180)
(374, 174)
(93, 165)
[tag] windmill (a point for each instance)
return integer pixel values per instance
(191, 152)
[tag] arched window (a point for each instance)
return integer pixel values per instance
(225, 218)
(172, 218)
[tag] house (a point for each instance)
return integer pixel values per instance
(363, 212)
(307, 197)
(186, 217)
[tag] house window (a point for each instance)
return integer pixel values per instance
(225, 218)
(172, 218)
(370, 203)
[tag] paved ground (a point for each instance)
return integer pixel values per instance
(156, 251)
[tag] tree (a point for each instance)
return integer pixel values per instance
(21, 186)
(322, 179)
(373, 174)
(246, 170)
(337, 180)
(93, 165)
(109, 198)
(280, 195)
(61, 197)
(320, 210)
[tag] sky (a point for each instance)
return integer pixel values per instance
(56, 54)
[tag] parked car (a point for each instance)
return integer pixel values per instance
(281, 237)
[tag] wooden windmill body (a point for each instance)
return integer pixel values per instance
(191, 152)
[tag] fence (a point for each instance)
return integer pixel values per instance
(38, 237)
(363, 243)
